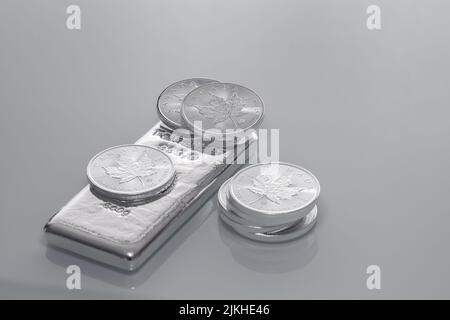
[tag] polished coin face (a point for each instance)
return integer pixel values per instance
(274, 189)
(170, 100)
(230, 216)
(217, 107)
(130, 171)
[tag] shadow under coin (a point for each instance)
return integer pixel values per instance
(269, 257)
(135, 278)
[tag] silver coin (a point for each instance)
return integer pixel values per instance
(253, 230)
(229, 215)
(219, 108)
(305, 225)
(131, 201)
(130, 172)
(274, 193)
(170, 100)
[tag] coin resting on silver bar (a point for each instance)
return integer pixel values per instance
(130, 172)
(221, 109)
(270, 202)
(139, 195)
(170, 100)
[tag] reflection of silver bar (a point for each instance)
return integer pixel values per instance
(87, 226)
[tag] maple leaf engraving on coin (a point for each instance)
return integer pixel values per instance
(173, 106)
(189, 86)
(173, 100)
(220, 109)
(128, 169)
(273, 186)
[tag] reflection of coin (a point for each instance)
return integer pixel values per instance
(280, 257)
(217, 107)
(169, 102)
(277, 192)
(130, 172)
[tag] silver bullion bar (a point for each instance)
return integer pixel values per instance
(125, 237)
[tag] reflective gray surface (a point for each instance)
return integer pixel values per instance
(366, 111)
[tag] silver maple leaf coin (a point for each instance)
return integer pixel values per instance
(274, 193)
(130, 172)
(170, 100)
(231, 216)
(222, 108)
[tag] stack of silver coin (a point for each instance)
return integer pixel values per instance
(270, 202)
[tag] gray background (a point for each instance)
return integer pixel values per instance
(366, 111)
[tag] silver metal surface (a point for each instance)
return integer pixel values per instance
(233, 216)
(126, 237)
(217, 107)
(275, 182)
(301, 228)
(130, 172)
(170, 100)
(274, 193)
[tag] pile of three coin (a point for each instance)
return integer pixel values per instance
(130, 174)
(270, 202)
